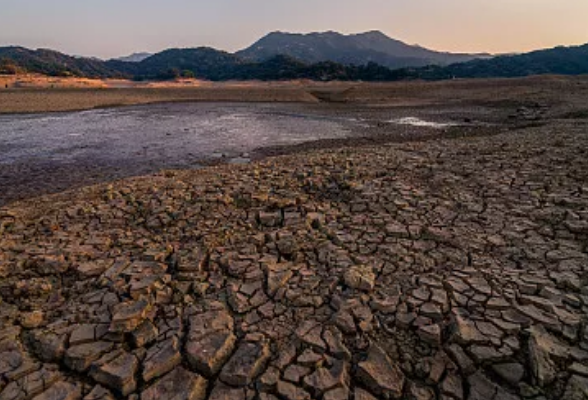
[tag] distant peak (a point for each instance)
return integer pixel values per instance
(372, 33)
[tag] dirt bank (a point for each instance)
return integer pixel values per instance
(41, 94)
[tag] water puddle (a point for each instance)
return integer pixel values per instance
(413, 121)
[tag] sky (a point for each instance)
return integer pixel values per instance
(111, 28)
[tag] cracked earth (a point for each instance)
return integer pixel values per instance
(449, 269)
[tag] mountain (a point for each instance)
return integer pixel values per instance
(357, 49)
(50, 62)
(135, 57)
(211, 64)
(203, 62)
(558, 61)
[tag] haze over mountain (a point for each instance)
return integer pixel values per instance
(135, 57)
(356, 49)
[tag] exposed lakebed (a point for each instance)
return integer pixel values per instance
(47, 153)
(173, 135)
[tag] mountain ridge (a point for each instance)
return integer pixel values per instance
(211, 64)
(356, 49)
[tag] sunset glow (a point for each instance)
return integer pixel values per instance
(112, 28)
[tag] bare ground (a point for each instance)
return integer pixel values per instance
(436, 269)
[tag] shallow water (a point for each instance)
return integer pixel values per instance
(171, 135)
(413, 121)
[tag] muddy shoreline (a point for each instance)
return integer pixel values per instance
(42, 94)
(484, 109)
(37, 170)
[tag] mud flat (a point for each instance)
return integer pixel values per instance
(50, 152)
(447, 268)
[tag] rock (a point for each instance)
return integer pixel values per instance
(334, 340)
(246, 363)
(48, 346)
(498, 303)
(380, 375)
(61, 391)
(511, 372)
(267, 382)
(277, 279)
(452, 386)
(80, 357)
(576, 388)
(465, 363)
(579, 369)
(84, 333)
(99, 393)
(344, 321)
(33, 384)
(360, 277)
(161, 358)
(294, 373)
(270, 219)
(208, 354)
(488, 354)
(31, 320)
(224, 392)
(465, 332)
(341, 393)
(361, 394)
(210, 341)
(288, 391)
(287, 246)
(310, 358)
(116, 371)
(436, 366)
(325, 379)
(310, 333)
(417, 392)
(542, 346)
(144, 334)
(481, 388)
(128, 316)
(432, 311)
(430, 334)
(179, 384)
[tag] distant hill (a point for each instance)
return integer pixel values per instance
(50, 62)
(211, 64)
(559, 60)
(357, 49)
(135, 57)
(203, 62)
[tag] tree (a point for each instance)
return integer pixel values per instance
(188, 74)
(7, 67)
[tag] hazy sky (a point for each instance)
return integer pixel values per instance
(108, 28)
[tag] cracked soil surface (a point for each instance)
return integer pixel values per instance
(444, 269)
